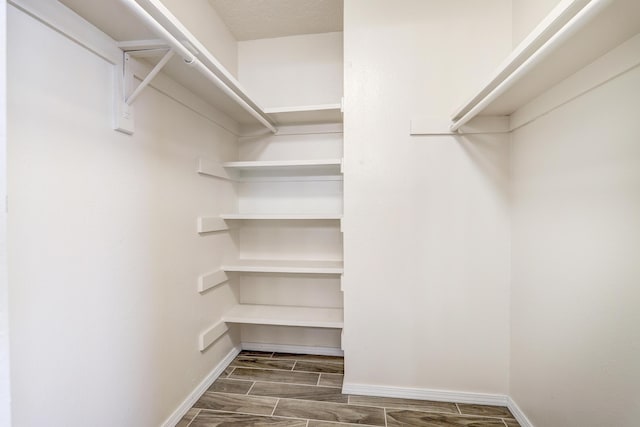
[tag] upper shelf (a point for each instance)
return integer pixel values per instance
(120, 23)
(311, 114)
(574, 34)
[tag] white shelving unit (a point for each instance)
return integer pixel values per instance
(574, 34)
(309, 114)
(285, 316)
(285, 266)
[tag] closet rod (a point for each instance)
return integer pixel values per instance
(191, 60)
(564, 33)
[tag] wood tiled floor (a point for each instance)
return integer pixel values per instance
(295, 390)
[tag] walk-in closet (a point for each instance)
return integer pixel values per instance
(320, 213)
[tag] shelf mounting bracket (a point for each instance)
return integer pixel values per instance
(126, 94)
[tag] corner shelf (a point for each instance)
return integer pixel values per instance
(257, 216)
(308, 114)
(285, 266)
(572, 36)
(285, 316)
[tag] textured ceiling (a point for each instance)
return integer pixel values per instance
(261, 19)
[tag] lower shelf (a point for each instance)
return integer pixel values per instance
(285, 316)
(279, 266)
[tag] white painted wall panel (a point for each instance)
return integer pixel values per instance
(105, 312)
(527, 14)
(207, 26)
(5, 398)
(575, 340)
(292, 71)
(426, 221)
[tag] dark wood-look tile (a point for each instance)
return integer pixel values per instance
(331, 380)
(315, 366)
(307, 378)
(414, 404)
(485, 410)
(190, 415)
(225, 385)
(314, 423)
(511, 423)
(229, 419)
(260, 363)
(296, 391)
(226, 372)
(236, 403)
(249, 353)
(310, 357)
(323, 411)
(401, 418)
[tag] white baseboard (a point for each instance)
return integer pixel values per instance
(518, 414)
(300, 349)
(204, 385)
(425, 394)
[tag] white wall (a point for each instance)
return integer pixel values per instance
(426, 222)
(295, 70)
(527, 14)
(5, 397)
(576, 241)
(207, 26)
(105, 313)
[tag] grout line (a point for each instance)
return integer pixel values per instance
(279, 382)
(503, 422)
(266, 369)
(298, 384)
(194, 417)
(348, 399)
(275, 406)
(218, 411)
(251, 388)
(293, 367)
(307, 423)
(458, 408)
(385, 417)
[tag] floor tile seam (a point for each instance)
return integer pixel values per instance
(503, 422)
(236, 395)
(447, 413)
(251, 388)
(385, 416)
(306, 385)
(274, 407)
(396, 408)
(334, 403)
(316, 372)
(282, 370)
(304, 399)
(197, 413)
(279, 382)
(299, 360)
(263, 369)
(458, 408)
(253, 415)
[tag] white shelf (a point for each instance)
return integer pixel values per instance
(285, 266)
(281, 216)
(285, 316)
(308, 114)
(323, 169)
(606, 24)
